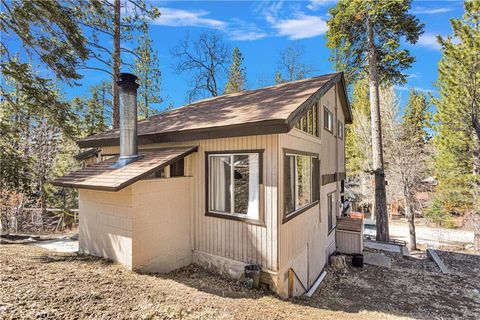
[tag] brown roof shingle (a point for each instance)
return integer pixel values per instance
(101, 176)
(265, 110)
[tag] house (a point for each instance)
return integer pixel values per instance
(253, 177)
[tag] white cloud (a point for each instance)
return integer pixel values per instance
(236, 29)
(317, 4)
(183, 18)
(429, 41)
(240, 35)
(418, 89)
(241, 30)
(414, 75)
(301, 27)
(425, 10)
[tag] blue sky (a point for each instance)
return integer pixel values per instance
(262, 29)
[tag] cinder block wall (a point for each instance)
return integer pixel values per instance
(106, 224)
(162, 224)
(146, 226)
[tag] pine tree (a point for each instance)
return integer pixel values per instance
(278, 78)
(236, 73)
(147, 69)
(94, 116)
(360, 28)
(457, 163)
(412, 153)
(114, 21)
(355, 148)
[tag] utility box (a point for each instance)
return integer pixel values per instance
(349, 236)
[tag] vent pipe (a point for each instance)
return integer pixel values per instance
(128, 119)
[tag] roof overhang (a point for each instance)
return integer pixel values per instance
(103, 176)
(243, 129)
(267, 126)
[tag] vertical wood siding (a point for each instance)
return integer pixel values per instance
(309, 230)
(227, 238)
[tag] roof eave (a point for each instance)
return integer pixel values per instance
(272, 126)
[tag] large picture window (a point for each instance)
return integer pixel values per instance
(234, 184)
(302, 175)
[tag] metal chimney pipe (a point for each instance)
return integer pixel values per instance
(128, 118)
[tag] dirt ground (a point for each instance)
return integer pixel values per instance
(37, 283)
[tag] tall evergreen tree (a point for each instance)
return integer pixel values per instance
(355, 151)
(359, 28)
(147, 69)
(94, 115)
(236, 73)
(458, 116)
(411, 155)
(114, 21)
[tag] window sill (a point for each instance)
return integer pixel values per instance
(236, 218)
(293, 214)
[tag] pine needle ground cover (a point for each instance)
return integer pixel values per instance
(37, 283)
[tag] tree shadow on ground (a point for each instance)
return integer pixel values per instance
(413, 287)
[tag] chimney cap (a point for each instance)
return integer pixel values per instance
(124, 78)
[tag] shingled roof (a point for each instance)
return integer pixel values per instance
(268, 110)
(104, 176)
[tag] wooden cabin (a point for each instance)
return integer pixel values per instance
(247, 178)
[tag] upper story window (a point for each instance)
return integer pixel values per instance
(328, 120)
(341, 130)
(302, 187)
(309, 122)
(233, 184)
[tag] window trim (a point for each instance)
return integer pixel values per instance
(288, 216)
(334, 225)
(340, 134)
(224, 215)
(325, 122)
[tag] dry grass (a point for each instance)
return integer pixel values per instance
(36, 283)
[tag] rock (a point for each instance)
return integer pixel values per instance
(338, 262)
(377, 259)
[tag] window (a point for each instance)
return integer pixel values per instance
(309, 122)
(302, 186)
(234, 184)
(331, 212)
(177, 169)
(328, 120)
(340, 129)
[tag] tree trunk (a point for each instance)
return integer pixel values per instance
(476, 191)
(380, 201)
(410, 215)
(116, 64)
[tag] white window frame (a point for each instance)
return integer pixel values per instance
(232, 212)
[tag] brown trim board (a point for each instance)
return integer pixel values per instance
(333, 177)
